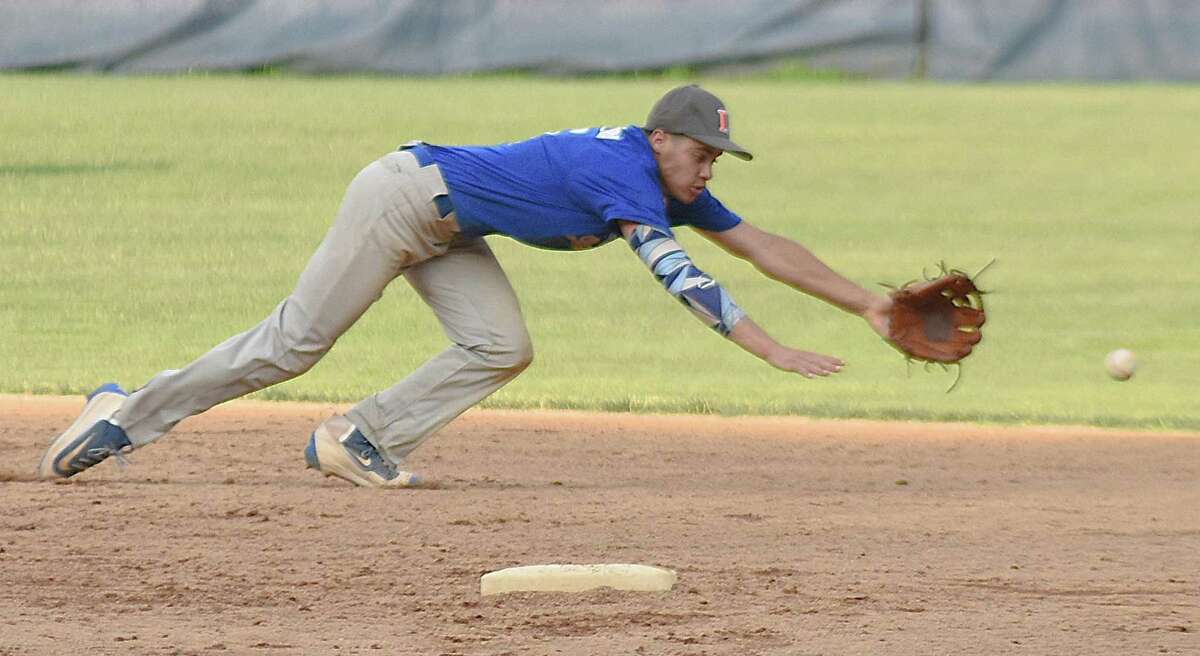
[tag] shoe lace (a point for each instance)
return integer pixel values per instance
(121, 457)
(97, 454)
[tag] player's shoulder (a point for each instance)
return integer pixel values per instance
(628, 138)
(621, 138)
(620, 150)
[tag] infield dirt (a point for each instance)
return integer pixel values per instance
(790, 536)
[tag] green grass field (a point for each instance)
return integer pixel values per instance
(144, 220)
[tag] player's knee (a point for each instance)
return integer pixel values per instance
(522, 356)
(302, 347)
(510, 355)
(298, 360)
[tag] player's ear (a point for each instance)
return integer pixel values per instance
(659, 140)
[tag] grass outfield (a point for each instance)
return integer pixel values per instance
(143, 220)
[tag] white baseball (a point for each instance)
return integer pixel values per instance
(1120, 364)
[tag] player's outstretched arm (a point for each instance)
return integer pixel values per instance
(789, 262)
(710, 303)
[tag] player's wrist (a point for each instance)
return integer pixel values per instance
(874, 304)
(879, 316)
(878, 305)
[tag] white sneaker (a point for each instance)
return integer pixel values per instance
(90, 439)
(338, 448)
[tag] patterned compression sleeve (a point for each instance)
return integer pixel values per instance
(694, 288)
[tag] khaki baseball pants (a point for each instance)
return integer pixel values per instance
(388, 225)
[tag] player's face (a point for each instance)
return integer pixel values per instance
(684, 164)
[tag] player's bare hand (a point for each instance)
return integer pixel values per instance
(879, 316)
(805, 363)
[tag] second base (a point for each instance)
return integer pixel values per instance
(576, 578)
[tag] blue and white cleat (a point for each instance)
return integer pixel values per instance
(90, 439)
(338, 448)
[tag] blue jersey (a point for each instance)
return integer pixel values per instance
(566, 190)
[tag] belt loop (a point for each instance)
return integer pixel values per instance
(444, 206)
(435, 184)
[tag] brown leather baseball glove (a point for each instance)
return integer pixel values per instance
(937, 320)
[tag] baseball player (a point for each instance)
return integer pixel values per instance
(422, 212)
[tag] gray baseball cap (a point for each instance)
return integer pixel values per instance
(696, 113)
